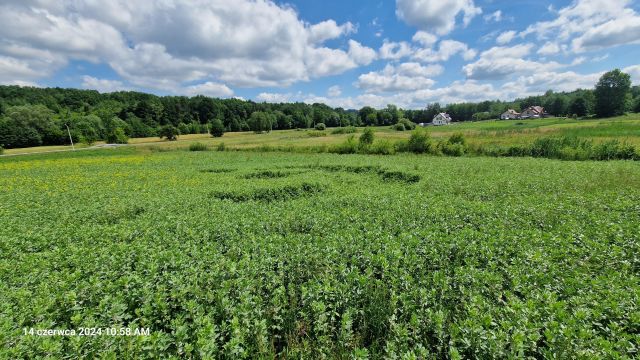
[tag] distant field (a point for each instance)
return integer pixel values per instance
(279, 255)
(501, 132)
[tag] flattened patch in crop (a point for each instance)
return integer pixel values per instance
(399, 176)
(217, 171)
(284, 193)
(112, 216)
(267, 174)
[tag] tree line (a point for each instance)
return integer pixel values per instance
(31, 116)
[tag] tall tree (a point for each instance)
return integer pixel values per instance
(611, 93)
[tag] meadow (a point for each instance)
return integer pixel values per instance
(283, 255)
(482, 133)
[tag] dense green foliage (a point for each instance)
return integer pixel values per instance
(169, 132)
(217, 128)
(267, 255)
(611, 93)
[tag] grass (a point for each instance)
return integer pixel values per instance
(284, 255)
(483, 133)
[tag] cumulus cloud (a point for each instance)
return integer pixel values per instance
(437, 16)
(168, 45)
(209, 88)
(588, 25)
(395, 50)
(634, 71)
(404, 77)
(499, 63)
(549, 48)
(424, 38)
(334, 91)
(102, 85)
(446, 49)
(505, 37)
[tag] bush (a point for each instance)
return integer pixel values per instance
(399, 127)
(197, 146)
(367, 137)
(320, 126)
(452, 149)
(408, 124)
(217, 128)
(457, 138)
(316, 134)
(221, 147)
(169, 132)
(344, 130)
(348, 147)
(382, 147)
(419, 142)
(117, 136)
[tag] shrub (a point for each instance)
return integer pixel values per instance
(320, 126)
(399, 127)
(408, 124)
(382, 147)
(217, 128)
(197, 146)
(169, 132)
(419, 142)
(348, 147)
(452, 149)
(221, 147)
(316, 134)
(367, 137)
(344, 130)
(457, 138)
(117, 136)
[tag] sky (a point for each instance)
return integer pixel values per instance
(343, 53)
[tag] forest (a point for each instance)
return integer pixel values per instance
(31, 116)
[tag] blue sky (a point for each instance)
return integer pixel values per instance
(343, 53)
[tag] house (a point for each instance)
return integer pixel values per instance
(441, 119)
(510, 115)
(533, 112)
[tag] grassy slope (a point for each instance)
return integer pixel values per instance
(508, 132)
(486, 257)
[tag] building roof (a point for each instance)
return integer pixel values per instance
(511, 111)
(445, 115)
(536, 109)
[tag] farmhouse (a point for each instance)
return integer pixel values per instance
(533, 112)
(510, 115)
(441, 119)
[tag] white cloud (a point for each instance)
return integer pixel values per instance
(404, 77)
(446, 49)
(102, 85)
(634, 71)
(329, 29)
(334, 91)
(424, 38)
(360, 54)
(620, 31)
(209, 88)
(589, 25)
(549, 48)
(395, 50)
(439, 16)
(505, 37)
(167, 45)
(501, 62)
(274, 97)
(496, 16)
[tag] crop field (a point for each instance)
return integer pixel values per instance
(282, 255)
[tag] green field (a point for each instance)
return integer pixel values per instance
(280, 255)
(485, 133)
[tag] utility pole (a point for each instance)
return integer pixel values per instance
(70, 138)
